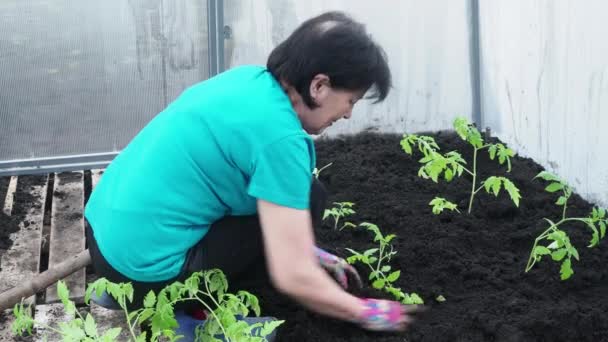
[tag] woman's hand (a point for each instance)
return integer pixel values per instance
(386, 315)
(338, 267)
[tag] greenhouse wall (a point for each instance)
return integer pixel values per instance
(543, 72)
(544, 81)
(427, 43)
(83, 77)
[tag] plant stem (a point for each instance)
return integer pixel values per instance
(467, 170)
(545, 233)
(565, 206)
(124, 309)
(474, 173)
(206, 307)
(532, 261)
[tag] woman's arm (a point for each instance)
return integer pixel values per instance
(294, 268)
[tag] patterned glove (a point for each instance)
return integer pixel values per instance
(383, 315)
(338, 267)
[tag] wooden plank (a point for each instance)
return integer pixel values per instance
(22, 260)
(67, 231)
(49, 315)
(52, 314)
(4, 186)
(95, 177)
(10, 194)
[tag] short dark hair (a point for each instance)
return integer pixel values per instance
(336, 45)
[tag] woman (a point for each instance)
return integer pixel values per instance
(222, 178)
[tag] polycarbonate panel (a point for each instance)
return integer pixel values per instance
(80, 77)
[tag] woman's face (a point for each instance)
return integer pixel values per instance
(332, 105)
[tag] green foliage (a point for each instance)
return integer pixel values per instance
(382, 276)
(493, 185)
(557, 242)
(210, 288)
(439, 204)
(339, 211)
(452, 164)
(434, 163)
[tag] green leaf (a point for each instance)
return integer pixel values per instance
(548, 176)
(559, 254)
(566, 269)
(141, 338)
(602, 229)
(370, 252)
(572, 251)
(378, 284)
(406, 145)
(540, 250)
(492, 151)
(496, 187)
(111, 334)
(440, 299)
(393, 276)
(416, 299)
(90, 328)
(150, 300)
(561, 200)
(145, 314)
(449, 175)
(269, 327)
(62, 291)
(385, 268)
(553, 187)
(492, 185)
(512, 190)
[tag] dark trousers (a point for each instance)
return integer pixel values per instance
(233, 244)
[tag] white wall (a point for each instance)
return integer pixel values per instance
(427, 43)
(545, 85)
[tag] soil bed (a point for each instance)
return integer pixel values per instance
(475, 261)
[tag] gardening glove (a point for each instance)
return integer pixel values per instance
(338, 267)
(385, 315)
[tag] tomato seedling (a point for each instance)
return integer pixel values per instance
(439, 204)
(339, 211)
(452, 164)
(158, 312)
(559, 247)
(382, 276)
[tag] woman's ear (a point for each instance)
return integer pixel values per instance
(319, 87)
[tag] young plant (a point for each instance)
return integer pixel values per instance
(377, 259)
(339, 211)
(317, 172)
(558, 245)
(451, 164)
(439, 204)
(158, 312)
(78, 328)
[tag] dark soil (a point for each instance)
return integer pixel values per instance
(475, 261)
(22, 202)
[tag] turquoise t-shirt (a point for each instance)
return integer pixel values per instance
(211, 153)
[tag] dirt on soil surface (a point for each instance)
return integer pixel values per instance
(475, 261)
(22, 201)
